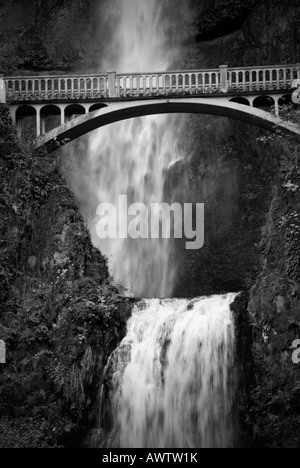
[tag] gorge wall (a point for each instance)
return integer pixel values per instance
(248, 181)
(60, 315)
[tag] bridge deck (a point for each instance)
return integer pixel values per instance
(220, 91)
(91, 87)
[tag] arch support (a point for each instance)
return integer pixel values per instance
(38, 121)
(115, 112)
(2, 90)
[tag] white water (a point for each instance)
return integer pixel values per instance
(131, 157)
(173, 375)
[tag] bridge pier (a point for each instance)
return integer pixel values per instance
(13, 114)
(2, 90)
(251, 100)
(43, 124)
(276, 100)
(38, 121)
(62, 114)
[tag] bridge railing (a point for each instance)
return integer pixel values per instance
(135, 84)
(262, 78)
(56, 87)
(112, 85)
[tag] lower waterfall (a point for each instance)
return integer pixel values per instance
(172, 379)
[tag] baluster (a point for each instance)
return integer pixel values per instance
(291, 75)
(264, 79)
(284, 77)
(118, 84)
(244, 79)
(250, 80)
(229, 78)
(271, 78)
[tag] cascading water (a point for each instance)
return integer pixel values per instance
(173, 376)
(131, 157)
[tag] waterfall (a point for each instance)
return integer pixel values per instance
(131, 157)
(172, 377)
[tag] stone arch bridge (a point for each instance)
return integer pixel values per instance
(66, 107)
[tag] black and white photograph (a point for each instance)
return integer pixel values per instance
(149, 227)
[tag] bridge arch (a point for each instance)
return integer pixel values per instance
(26, 110)
(263, 101)
(117, 111)
(50, 108)
(25, 120)
(73, 110)
(97, 106)
(240, 100)
(285, 99)
(50, 117)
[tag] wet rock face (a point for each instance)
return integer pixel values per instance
(233, 176)
(228, 168)
(44, 35)
(243, 33)
(244, 367)
(220, 18)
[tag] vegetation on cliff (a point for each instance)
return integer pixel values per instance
(274, 309)
(60, 315)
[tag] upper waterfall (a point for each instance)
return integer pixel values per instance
(131, 158)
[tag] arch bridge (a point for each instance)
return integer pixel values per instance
(68, 106)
